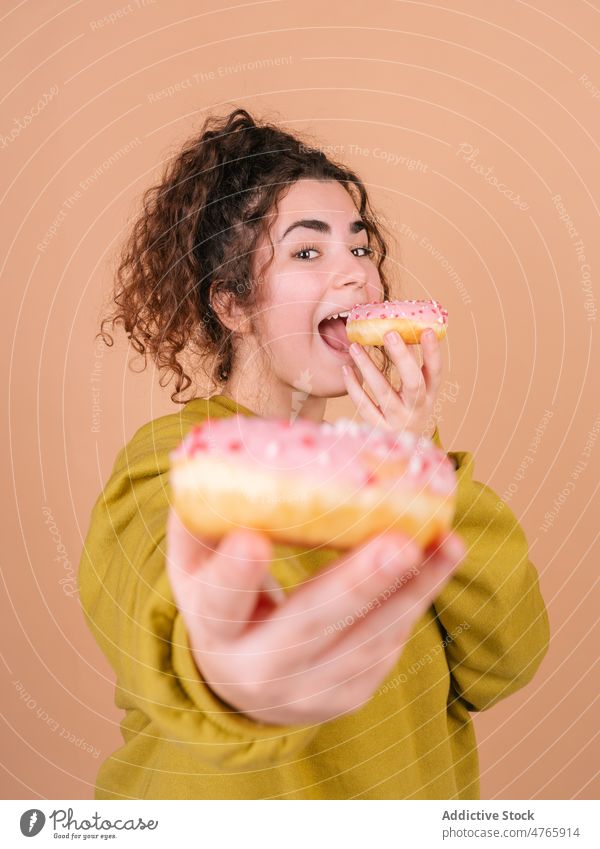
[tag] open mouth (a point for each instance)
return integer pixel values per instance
(333, 332)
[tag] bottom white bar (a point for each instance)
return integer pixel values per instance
(298, 825)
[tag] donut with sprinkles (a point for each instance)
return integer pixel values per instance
(309, 483)
(367, 324)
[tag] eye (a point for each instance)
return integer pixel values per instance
(304, 250)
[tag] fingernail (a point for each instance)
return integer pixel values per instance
(355, 348)
(456, 547)
(273, 589)
(346, 370)
(234, 546)
(393, 337)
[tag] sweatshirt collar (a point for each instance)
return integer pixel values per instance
(230, 404)
(222, 404)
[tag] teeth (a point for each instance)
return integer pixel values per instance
(343, 314)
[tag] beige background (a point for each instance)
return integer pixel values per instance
(389, 82)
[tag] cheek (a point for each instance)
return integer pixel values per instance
(374, 288)
(285, 321)
(289, 318)
(291, 304)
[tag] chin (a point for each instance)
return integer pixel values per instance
(336, 389)
(338, 392)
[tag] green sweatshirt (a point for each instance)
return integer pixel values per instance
(482, 640)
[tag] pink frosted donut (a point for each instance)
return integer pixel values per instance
(310, 484)
(368, 323)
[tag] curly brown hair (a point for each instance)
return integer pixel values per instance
(197, 234)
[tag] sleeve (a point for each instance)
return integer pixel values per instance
(492, 611)
(128, 604)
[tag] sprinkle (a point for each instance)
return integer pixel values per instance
(407, 438)
(272, 449)
(415, 465)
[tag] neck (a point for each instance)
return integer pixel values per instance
(283, 401)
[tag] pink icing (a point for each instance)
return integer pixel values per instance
(353, 452)
(429, 312)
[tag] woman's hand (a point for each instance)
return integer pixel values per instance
(411, 408)
(317, 655)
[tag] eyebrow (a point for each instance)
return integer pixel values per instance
(323, 226)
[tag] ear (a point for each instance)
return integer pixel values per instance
(225, 306)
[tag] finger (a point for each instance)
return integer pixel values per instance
(432, 362)
(413, 384)
(383, 630)
(235, 579)
(365, 406)
(342, 691)
(309, 619)
(366, 653)
(219, 595)
(357, 373)
(388, 399)
(183, 547)
(362, 684)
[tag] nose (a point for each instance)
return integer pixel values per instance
(354, 281)
(354, 273)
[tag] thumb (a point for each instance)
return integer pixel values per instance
(232, 581)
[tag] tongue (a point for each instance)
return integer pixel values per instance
(333, 331)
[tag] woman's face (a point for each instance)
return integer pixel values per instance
(322, 265)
